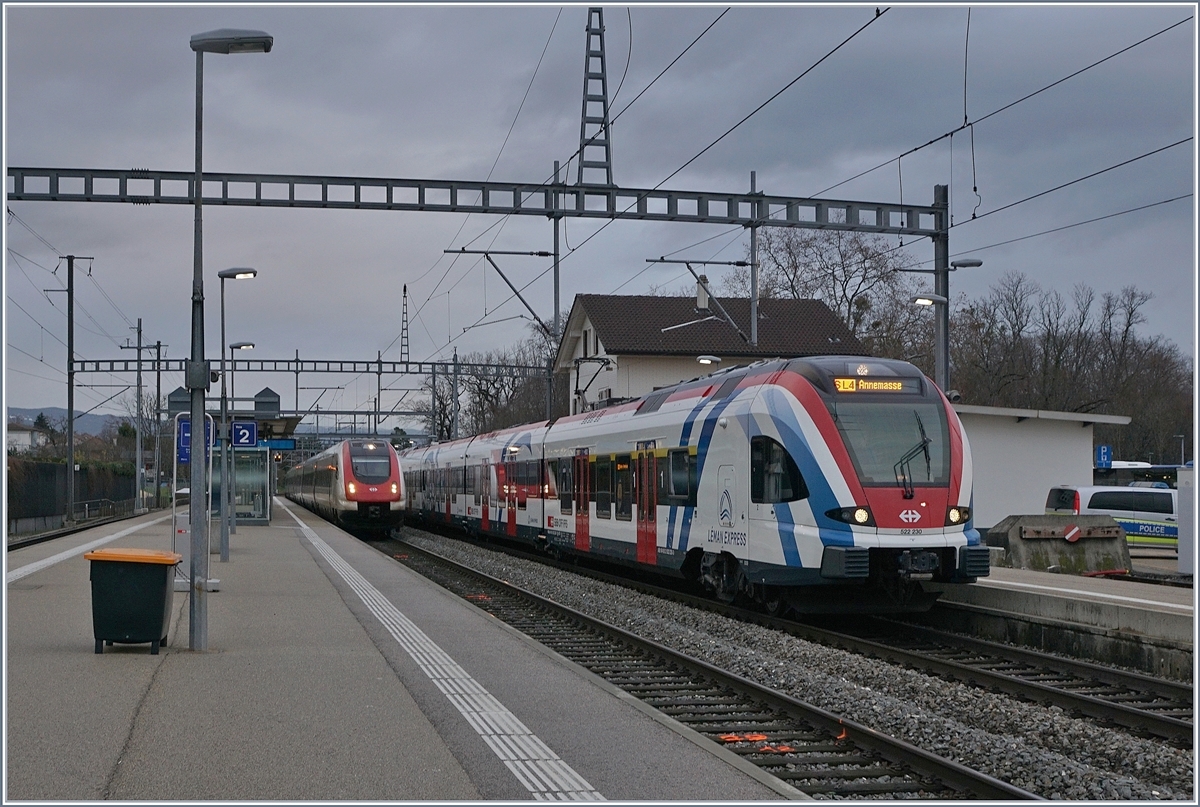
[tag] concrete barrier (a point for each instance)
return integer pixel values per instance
(1061, 543)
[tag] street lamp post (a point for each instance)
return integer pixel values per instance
(941, 299)
(941, 347)
(228, 525)
(224, 40)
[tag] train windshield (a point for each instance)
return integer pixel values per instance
(370, 462)
(894, 443)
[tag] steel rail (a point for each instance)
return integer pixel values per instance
(844, 742)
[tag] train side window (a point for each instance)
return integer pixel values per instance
(603, 484)
(624, 487)
(522, 480)
(682, 476)
(566, 486)
(774, 476)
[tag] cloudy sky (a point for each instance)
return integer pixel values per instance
(476, 92)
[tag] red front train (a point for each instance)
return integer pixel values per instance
(355, 484)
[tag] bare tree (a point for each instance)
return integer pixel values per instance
(1024, 347)
(859, 276)
(441, 410)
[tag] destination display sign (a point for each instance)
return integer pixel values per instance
(860, 384)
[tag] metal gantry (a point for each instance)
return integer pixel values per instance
(319, 366)
(297, 366)
(139, 186)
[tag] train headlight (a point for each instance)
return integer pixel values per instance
(395, 488)
(957, 515)
(858, 516)
(351, 488)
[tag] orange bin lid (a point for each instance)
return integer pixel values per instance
(128, 555)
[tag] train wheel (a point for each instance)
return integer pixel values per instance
(773, 600)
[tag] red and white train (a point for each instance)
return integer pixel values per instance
(356, 484)
(825, 484)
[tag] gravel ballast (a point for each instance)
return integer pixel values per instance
(1040, 749)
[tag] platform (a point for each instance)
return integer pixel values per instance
(332, 672)
(1139, 625)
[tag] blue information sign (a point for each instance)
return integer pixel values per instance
(243, 433)
(281, 443)
(183, 443)
(1103, 456)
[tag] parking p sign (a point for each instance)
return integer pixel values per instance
(1103, 456)
(243, 433)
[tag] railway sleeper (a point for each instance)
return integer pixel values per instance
(876, 771)
(871, 788)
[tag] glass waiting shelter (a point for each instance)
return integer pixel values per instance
(251, 485)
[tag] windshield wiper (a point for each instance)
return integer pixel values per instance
(902, 469)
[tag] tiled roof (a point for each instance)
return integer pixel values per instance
(632, 325)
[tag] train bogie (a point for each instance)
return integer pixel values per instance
(824, 484)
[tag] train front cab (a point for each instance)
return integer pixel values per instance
(369, 492)
(900, 516)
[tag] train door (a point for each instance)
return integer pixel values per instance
(645, 483)
(510, 498)
(731, 513)
(583, 488)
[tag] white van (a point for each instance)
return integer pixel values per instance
(1148, 515)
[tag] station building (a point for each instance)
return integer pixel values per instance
(622, 347)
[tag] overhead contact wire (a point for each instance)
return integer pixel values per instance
(1005, 107)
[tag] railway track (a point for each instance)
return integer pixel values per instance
(1142, 704)
(813, 750)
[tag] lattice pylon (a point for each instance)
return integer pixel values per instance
(404, 326)
(594, 134)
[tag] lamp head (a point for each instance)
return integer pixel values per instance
(242, 346)
(237, 273)
(233, 40)
(930, 299)
(708, 360)
(966, 263)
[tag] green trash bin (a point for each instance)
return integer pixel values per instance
(131, 595)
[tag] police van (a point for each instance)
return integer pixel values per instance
(1147, 514)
